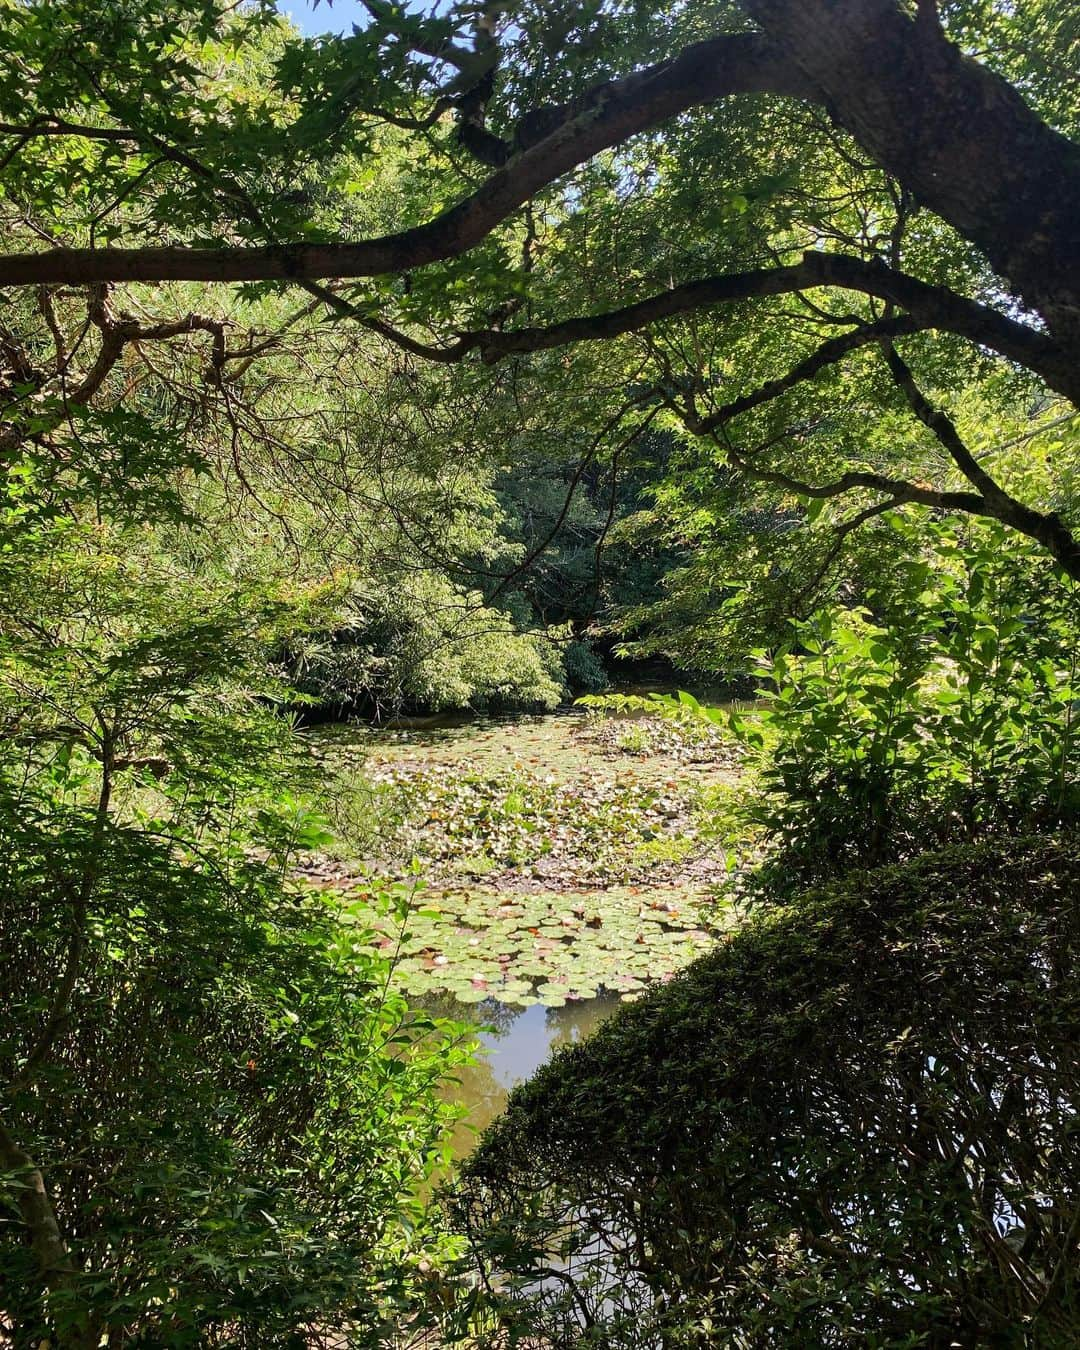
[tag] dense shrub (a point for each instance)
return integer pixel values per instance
(214, 1117)
(426, 646)
(230, 1124)
(946, 711)
(853, 1124)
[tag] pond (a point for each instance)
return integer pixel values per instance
(567, 862)
(515, 1042)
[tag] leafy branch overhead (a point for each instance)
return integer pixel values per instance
(412, 176)
(850, 172)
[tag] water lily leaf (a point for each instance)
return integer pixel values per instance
(551, 996)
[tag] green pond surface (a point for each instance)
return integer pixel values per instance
(567, 864)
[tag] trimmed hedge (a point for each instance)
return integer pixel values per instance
(853, 1124)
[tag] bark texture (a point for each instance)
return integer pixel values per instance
(955, 134)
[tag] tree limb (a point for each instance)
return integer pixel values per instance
(954, 133)
(1047, 528)
(37, 1213)
(927, 306)
(899, 490)
(930, 306)
(611, 113)
(828, 354)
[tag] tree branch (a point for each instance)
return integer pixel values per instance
(828, 354)
(1047, 528)
(37, 1213)
(119, 330)
(840, 534)
(954, 133)
(899, 490)
(611, 113)
(929, 306)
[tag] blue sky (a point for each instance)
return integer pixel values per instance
(336, 18)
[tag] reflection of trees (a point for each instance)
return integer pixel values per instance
(573, 1022)
(855, 1123)
(490, 1015)
(500, 1017)
(478, 1086)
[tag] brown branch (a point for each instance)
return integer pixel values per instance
(57, 126)
(958, 137)
(1047, 528)
(522, 567)
(929, 305)
(828, 354)
(119, 330)
(899, 490)
(840, 534)
(37, 1213)
(991, 502)
(52, 322)
(459, 57)
(613, 112)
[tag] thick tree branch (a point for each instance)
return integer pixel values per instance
(926, 306)
(37, 1213)
(119, 330)
(898, 490)
(58, 126)
(931, 306)
(957, 137)
(1047, 528)
(951, 131)
(389, 17)
(610, 114)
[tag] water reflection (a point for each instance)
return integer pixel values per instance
(515, 1041)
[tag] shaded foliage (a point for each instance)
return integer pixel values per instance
(853, 1124)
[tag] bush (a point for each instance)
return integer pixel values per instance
(215, 1116)
(946, 713)
(855, 1124)
(232, 1124)
(427, 646)
(584, 670)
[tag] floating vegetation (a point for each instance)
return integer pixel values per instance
(562, 857)
(548, 948)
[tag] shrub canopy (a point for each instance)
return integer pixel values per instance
(854, 1124)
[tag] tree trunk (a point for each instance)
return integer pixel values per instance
(951, 131)
(35, 1206)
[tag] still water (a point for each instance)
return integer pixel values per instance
(515, 1042)
(552, 748)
